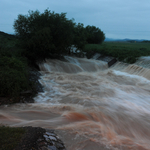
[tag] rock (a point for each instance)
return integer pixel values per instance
(50, 141)
(113, 61)
(49, 133)
(40, 139)
(108, 59)
(52, 138)
(59, 145)
(52, 148)
(26, 93)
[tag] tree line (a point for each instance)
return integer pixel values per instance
(45, 34)
(38, 36)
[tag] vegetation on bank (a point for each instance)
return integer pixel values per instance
(14, 70)
(123, 51)
(10, 137)
(38, 36)
(43, 35)
(51, 35)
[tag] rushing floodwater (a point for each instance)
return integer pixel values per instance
(91, 106)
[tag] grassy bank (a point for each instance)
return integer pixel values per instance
(18, 79)
(10, 137)
(20, 138)
(123, 51)
(15, 74)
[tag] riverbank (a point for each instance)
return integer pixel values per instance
(88, 106)
(26, 96)
(30, 138)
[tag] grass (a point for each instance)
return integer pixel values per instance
(10, 137)
(123, 51)
(118, 46)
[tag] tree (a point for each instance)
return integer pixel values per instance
(79, 36)
(44, 34)
(40, 45)
(94, 35)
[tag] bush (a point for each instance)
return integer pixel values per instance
(13, 77)
(131, 59)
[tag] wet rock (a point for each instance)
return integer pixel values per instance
(40, 144)
(52, 138)
(40, 139)
(49, 133)
(110, 60)
(45, 136)
(50, 141)
(43, 148)
(52, 148)
(59, 145)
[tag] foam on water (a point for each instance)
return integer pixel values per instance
(90, 105)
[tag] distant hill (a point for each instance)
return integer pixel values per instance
(6, 35)
(125, 40)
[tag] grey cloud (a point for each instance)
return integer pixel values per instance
(117, 18)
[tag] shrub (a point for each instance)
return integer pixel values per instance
(13, 76)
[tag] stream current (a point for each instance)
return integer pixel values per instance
(91, 106)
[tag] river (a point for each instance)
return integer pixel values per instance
(91, 106)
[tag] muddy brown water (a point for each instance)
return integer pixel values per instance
(91, 106)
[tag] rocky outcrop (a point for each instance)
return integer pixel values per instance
(110, 60)
(50, 141)
(36, 138)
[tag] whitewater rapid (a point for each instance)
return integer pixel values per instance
(91, 106)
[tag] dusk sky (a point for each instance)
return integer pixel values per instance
(118, 19)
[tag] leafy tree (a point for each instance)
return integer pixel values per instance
(44, 34)
(94, 35)
(80, 36)
(40, 45)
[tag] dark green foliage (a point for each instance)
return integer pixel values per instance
(5, 35)
(7, 40)
(131, 59)
(44, 34)
(146, 41)
(10, 137)
(14, 72)
(126, 52)
(80, 36)
(40, 46)
(94, 35)
(13, 75)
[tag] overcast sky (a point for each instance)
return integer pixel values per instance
(116, 18)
